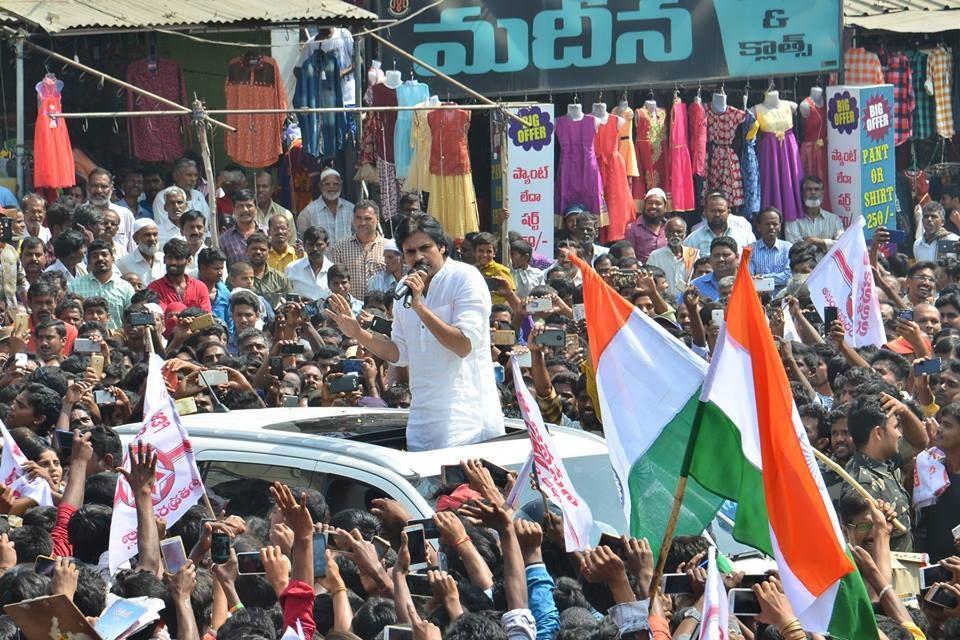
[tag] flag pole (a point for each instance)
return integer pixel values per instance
(682, 482)
(667, 541)
(846, 477)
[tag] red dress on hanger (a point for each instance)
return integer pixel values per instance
(681, 175)
(613, 177)
(813, 145)
(651, 135)
(52, 153)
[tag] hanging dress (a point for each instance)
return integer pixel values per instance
(681, 174)
(813, 146)
(254, 82)
(418, 172)
(579, 175)
(724, 170)
(452, 198)
(384, 96)
(52, 153)
(613, 175)
(750, 168)
(409, 94)
(627, 150)
(780, 169)
(651, 134)
(697, 118)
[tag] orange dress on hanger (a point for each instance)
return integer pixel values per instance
(613, 176)
(52, 153)
(627, 149)
(452, 198)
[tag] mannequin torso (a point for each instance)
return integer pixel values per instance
(816, 96)
(719, 103)
(393, 79)
(575, 112)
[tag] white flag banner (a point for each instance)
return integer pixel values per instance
(716, 607)
(790, 332)
(843, 279)
(18, 480)
(551, 473)
(178, 485)
(523, 480)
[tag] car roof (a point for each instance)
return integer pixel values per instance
(373, 435)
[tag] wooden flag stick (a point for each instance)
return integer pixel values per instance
(840, 471)
(668, 536)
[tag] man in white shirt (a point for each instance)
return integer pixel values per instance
(444, 339)
(675, 259)
(146, 260)
(308, 275)
(70, 252)
(931, 231)
(817, 227)
(174, 205)
(99, 192)
(329, 211)
(185, 176)
(719, 223)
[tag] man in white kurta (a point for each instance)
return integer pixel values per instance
(444, 340)
(454, 400)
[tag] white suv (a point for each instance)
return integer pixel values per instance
(353, 455)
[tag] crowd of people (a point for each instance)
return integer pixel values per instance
(292, 306)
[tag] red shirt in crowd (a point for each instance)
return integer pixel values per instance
(195, 293)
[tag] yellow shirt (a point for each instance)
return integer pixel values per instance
(499, 271)
(279, 261)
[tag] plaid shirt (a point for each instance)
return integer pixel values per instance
(361, 263)
(234, 245)
(116, 291)
(862, 67)
(939, 74)
(923, 113)
(899, 75)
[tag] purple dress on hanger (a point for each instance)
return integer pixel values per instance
(780, 170)
(579, 175)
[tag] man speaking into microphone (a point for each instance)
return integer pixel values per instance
(440, 331)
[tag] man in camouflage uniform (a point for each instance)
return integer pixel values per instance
(876, 435)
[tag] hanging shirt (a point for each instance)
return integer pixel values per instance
(862, 67)
(254, 82)
(901, 77)
(454, 399)
(340, 46)
(939, 81)
(156, 138)
(923, 113)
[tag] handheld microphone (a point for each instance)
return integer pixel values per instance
(402, 289)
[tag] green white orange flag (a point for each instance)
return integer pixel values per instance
(648, 386)
(750, 446)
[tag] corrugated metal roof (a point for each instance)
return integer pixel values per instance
(875, 7)
(54, 16)
(903, 16)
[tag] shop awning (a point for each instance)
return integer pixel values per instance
(65, 16)
(903, 16)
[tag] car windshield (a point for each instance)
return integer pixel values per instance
(591, 475)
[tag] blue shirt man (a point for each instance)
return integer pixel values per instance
(771, 255)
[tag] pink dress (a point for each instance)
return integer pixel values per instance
(681, 176)
(613, 175)
(698, 138)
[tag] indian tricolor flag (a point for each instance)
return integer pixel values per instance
(648, 384)
(750, 446)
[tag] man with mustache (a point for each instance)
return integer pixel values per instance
(99, 193)
(101, 281)
(308, 275)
